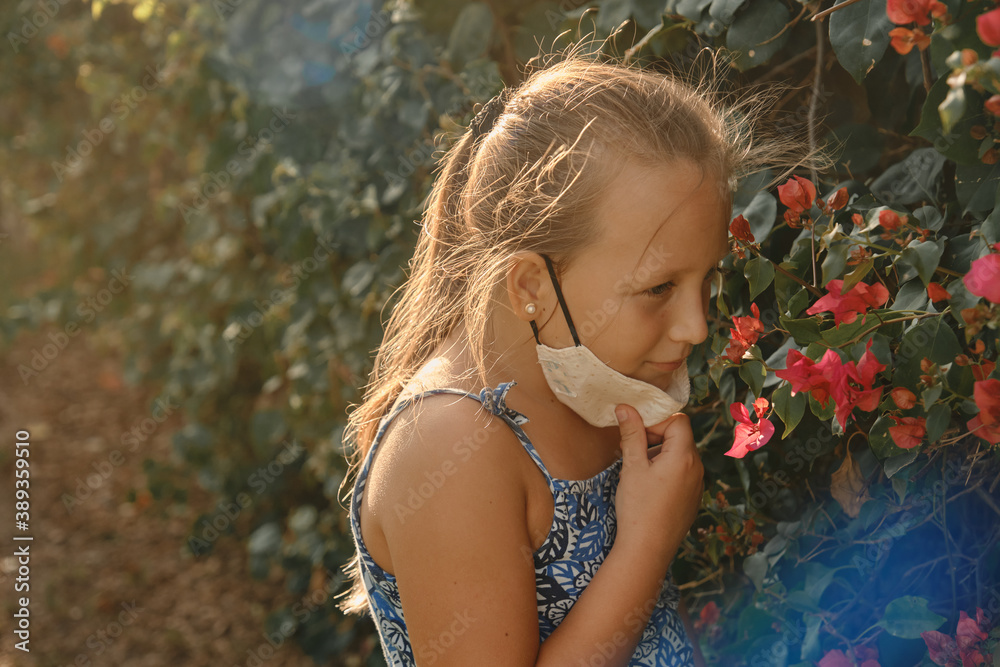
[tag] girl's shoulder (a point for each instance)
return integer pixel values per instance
(442, 438)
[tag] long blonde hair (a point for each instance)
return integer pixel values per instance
(531, 183)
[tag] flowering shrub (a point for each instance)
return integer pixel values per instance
(863, 340)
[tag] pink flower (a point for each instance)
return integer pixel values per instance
(806, 375)
(835, 658)
(746, 330)
(941, 647)
(983, 278)
(797, 194)
(846, 307)
(750, 435)
(905, 11)
(988, 27)
(908, 431)
(986, 424)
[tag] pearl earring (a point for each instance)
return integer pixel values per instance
(530, 309)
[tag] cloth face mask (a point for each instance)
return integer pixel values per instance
(592, 389)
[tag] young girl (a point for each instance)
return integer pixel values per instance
(505, 512)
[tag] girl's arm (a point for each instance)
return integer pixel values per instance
(462, 553)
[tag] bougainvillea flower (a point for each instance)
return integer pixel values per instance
(903, 398)
(708, 617)
(988, 27)
(746, 330)
(993, 105)
(915, 11)
(903, 40)
(851, 386)
(837, 200)
(937, 293)
(750, 435)
(740, 229)
(890, 220)
(968, 633)
(797, 194)
(986, 424)
(867, 656)
(806, 375)
(846, 307)
(941, 647)
(983, 278)
(982, 370)
(908, 431)
(835, 658)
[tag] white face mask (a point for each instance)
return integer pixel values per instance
(592, 389)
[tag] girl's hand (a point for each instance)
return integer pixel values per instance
(660, 489)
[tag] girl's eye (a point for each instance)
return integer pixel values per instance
(661, 290)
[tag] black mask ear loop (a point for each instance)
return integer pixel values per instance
(562, 304)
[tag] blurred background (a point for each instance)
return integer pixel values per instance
(204, 210)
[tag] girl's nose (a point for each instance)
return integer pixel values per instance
(689, 322)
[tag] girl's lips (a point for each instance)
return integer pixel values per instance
(667, 366)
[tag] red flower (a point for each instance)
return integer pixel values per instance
(983, 279)
(797, 194)
(968, 633)
(746, 330)
(903, 398)
(837, 200)
(890, 220)
(993, 105)
(988, 27)
(806, 375)
(905, 11)
(845, 307)
(986, 424)
(835, 658)
(904, 39)
(750, 435)
(941, 647)
(982, 370)
(851, 385)
(908, 431)
(937, 293)
(740, 229)
(708, 617)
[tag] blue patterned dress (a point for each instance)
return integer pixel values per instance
(582, 532)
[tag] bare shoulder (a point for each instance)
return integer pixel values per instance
(437, 440)
(451, 505)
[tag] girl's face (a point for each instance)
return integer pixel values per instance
(639, 294)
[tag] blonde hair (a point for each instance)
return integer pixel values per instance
(531, 183)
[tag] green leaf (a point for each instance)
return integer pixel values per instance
(804, 331)
(976, 186)
(924, 256)
(789, 408)
(930, 396)
(822, 413)
(913, 180)
(930, 338)
(859, 34)
(952, 108)
(897, 462)
(880, 441)
(957, 144)
(835, 261)
(470, 36)
(754, 34)
(759, 272)
(937, 422)
(755, 567)
(908, 616)
(753, 374)
(857, 275)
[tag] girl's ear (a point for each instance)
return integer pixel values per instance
(527, 283)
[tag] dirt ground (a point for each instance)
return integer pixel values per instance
(110, 581)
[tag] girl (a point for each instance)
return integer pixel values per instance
(505, 512)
